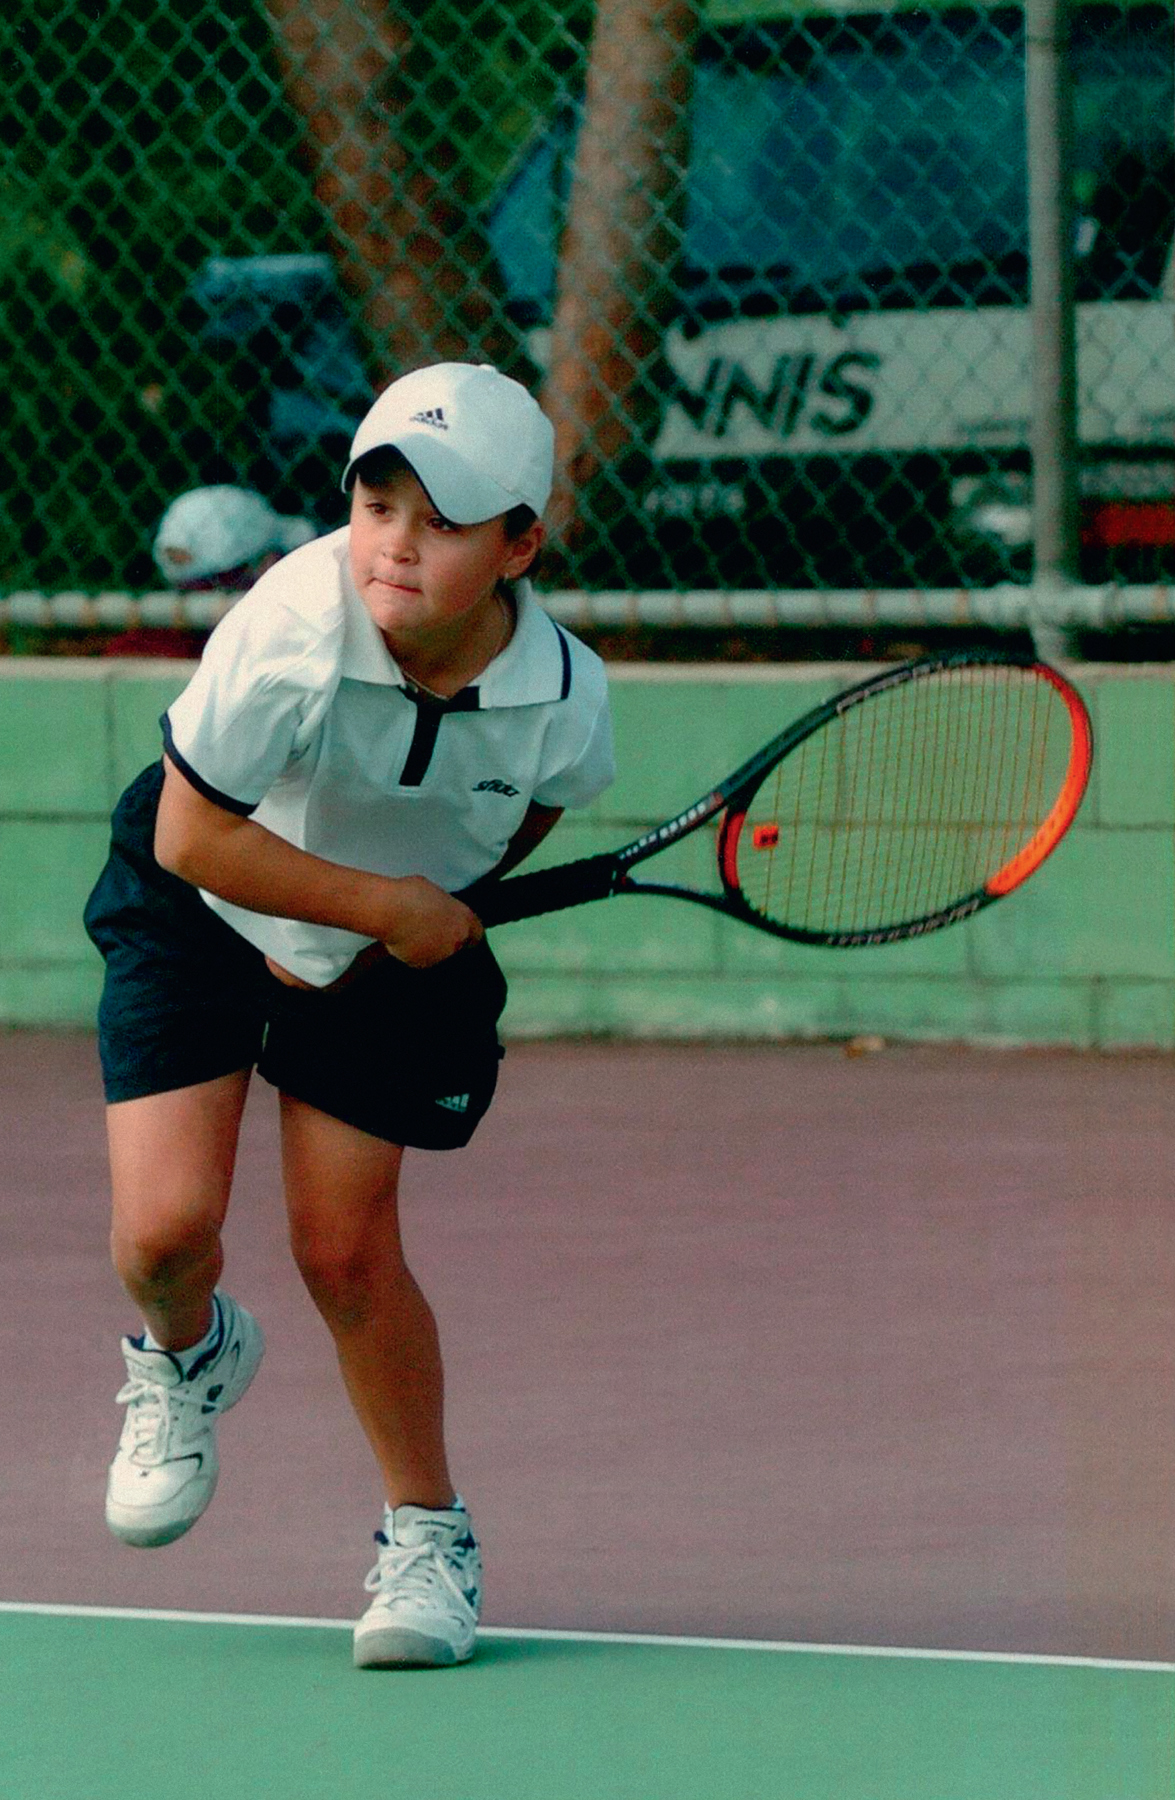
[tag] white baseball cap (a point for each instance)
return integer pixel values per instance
(478, 442)
(220, 530)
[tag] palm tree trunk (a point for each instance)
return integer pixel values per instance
(409, 253)
(621, 247)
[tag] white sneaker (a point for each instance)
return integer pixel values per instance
(427, 1587)
(166, 1468)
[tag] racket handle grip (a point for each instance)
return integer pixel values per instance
(546, 890)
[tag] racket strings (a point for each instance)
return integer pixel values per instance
(907, 803)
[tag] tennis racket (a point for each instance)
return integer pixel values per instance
(905, 803)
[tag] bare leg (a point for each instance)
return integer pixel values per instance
(171, 1163)
(342, 1194)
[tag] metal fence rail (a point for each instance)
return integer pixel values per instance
(767, 260)
(1009, 607)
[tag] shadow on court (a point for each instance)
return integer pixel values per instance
(745, 1342)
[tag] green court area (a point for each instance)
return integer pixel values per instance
(115, 1705)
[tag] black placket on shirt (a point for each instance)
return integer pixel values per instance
(429, 713)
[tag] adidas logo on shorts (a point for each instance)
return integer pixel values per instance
(432, 415)
(455, 1102)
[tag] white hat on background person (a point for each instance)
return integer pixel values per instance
(222, 531)
(477, 441)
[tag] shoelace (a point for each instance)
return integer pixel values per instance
(152, 1412)
(414, 1569)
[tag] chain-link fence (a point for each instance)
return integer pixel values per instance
(768, 263)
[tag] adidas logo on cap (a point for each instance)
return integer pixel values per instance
(432, 415)
(455, 1102)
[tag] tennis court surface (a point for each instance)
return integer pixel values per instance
(183, 1707)
(815, 1412)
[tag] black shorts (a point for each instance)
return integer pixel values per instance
(408, 1055)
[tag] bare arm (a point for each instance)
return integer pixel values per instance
(239, 860)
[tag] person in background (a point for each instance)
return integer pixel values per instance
(211, 540)
(223, 538)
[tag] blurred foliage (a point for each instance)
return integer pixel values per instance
(140, 138)
(137, 141)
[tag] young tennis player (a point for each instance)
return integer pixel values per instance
(386, 717)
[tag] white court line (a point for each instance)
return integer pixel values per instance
(1015, 1658)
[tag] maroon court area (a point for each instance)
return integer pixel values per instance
(772, 1342)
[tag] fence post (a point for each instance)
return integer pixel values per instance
(1053, 431)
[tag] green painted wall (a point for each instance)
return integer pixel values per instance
(1084, 955)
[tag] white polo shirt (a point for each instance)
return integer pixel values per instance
(299, 716)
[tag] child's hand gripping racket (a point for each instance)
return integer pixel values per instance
(904, 804)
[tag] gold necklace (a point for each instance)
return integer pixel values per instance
(422, 687)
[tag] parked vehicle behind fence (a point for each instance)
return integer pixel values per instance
(845, 382)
